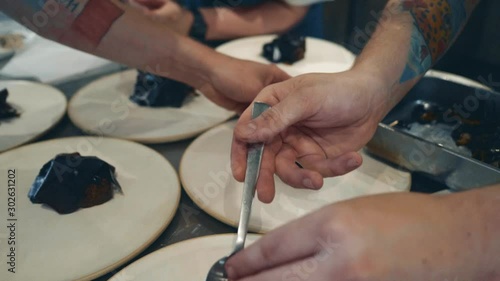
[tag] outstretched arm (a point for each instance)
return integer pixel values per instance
(225, 19)
(111, 29)
(411, 37)
(398, 236)
(114, 30)
(322, 120)
(270, 17)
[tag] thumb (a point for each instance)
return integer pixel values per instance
(283, 114)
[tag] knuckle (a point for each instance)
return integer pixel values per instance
(268, 251)
(339, 223)
(272, 115)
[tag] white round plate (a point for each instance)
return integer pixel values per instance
(103, 108)
(206, 176)
(93, 241)
(41, 107)
(320, 56)
(187, 260)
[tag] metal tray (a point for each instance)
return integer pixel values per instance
(456, 170)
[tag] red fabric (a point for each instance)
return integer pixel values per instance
(96, 20)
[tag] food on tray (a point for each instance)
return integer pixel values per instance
(155, 91)
(12, 41)
(287, 48)
(483, 141)
(71, 181)
(6, 110)
(476, 136)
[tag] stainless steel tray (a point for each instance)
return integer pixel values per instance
(457, 171)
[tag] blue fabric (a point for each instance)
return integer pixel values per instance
(311, 25)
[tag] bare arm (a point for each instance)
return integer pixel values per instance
(113, 30)
(484, 204)
(270, 17)
(411, 37)
(226, 21)
(394, 236)
(322, 120)
(110, 29)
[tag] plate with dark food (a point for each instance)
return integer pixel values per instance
(80, 207)
(186, 260)
(210, 184)
(142, 107)
(27, 111)
(447, 127)
(294, 54)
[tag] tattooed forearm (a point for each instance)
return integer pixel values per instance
(437, 23)
(85, 21)
(70, 5)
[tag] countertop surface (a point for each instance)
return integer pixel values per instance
(189, 221)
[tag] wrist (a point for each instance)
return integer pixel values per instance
(208, 63)
(193, 61)
(378, 90)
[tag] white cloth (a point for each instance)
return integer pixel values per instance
(52, 62)
(46, 60)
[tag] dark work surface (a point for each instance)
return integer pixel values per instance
(189, 221)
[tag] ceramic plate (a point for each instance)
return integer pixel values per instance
(206, 176)
(89, 242)
(187, 260)
(320, 56)
(103, 108)
(41, 108)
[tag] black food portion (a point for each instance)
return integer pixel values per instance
(478, 130)
(155, 91)
(6, 110)
(71, 181)
(288, 48)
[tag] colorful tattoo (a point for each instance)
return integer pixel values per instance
(436, 25)
(94, 22)
(69, 20)
(73, 6)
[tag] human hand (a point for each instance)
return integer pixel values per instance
(405, 236)
(318, 120)
(167, 12)
(235, 83)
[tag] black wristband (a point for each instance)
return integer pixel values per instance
(199, 28)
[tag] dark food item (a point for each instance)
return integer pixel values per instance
(482, 140)
(479, 132)
(71, 181)
(287, 48)
(6, 110)
(155, 91)
(426, 112)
